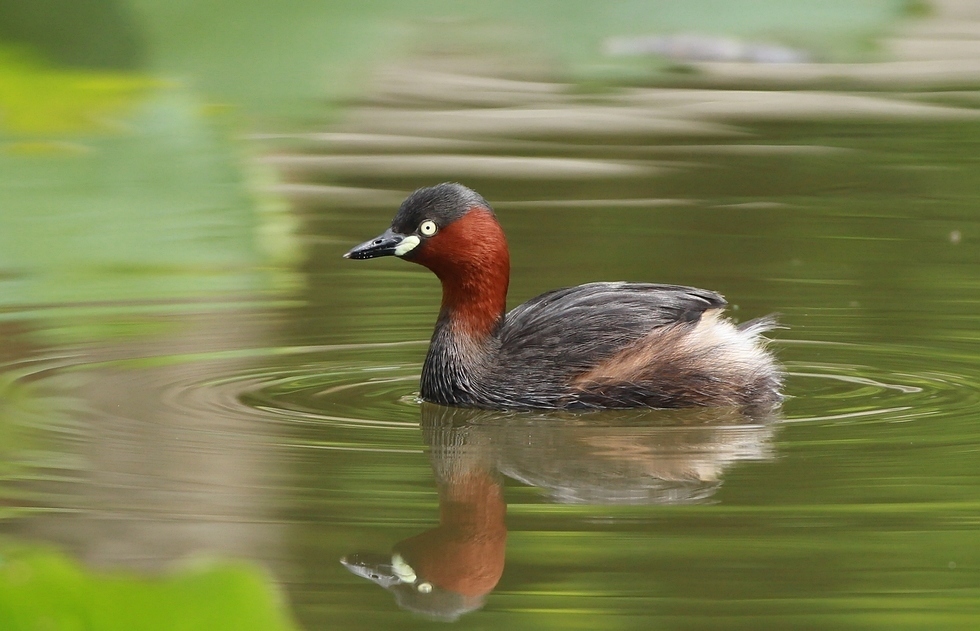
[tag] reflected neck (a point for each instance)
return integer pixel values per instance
(465, 553)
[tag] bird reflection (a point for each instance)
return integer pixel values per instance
(610, 457)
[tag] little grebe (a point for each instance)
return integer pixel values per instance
(599, 345)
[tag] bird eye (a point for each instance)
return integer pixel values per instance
(428, 228)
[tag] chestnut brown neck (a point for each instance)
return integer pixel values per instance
(471, 259)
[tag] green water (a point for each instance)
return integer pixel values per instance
(855, 509)
(204, 408)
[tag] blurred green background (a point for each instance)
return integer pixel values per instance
(123, 166)
(163, 302)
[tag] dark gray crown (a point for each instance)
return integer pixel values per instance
(443, 203)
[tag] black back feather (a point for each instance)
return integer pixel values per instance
(577, 327)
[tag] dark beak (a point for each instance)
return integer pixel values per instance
(374, 567)
(382, 245)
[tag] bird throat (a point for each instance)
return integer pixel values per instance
(470, 258)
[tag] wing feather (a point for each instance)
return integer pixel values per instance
(573, 328)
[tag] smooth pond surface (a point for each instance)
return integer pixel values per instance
(214, 380)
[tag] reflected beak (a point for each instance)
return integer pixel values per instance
(388, 244)
(376, 568)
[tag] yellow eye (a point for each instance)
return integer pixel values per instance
(428, 228)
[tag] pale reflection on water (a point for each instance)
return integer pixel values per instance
(141, 477)
(635, 457)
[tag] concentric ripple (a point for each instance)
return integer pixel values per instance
(288, 403)
(374, 386)
(878, 382)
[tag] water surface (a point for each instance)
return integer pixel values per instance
(223, 384)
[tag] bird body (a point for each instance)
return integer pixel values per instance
(598, 345)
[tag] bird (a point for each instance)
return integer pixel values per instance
(601, 345)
